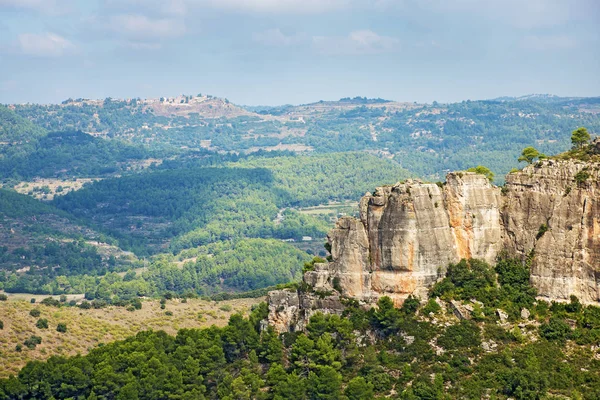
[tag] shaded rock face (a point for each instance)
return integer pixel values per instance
(290, 311)
(407, 234)
(549, 212)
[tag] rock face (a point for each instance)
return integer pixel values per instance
(407, 234)
(552, 211)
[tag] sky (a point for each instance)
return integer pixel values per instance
(273, 52)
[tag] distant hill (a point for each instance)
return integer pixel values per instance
(427, 139)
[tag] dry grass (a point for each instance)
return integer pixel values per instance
(87, 328)
(68, 185)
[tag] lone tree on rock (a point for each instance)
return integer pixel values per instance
(480, 169)
(529, 154)
(580, 137)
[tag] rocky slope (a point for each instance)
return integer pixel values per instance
(408, 233)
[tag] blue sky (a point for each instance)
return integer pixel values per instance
(297, 51)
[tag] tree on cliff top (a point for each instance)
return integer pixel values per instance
(480, 169)
(580, 137)
(529, 154)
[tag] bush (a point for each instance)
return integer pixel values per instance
(85, 305)
(1, 324)
(169, 313)
(543, 229)
(32, 301)
(49, 301)
(465, 334)
(18, 348)
(42, 323)
(137, 304)
(431, 307)
(574, 306)
(32, 342)
(555, 330)
(63, 298)
(581, 177)
(35, 312)
(410, 305)
(226, 308)
(3, 297)
(61, 327)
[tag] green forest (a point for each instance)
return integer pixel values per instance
(415, 352)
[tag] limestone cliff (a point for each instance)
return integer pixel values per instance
(408, 233)
(552, 209)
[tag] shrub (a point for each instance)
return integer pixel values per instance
(480, 169)
(556, 330)
(543, 229)
(42, 323)
(136, 303)
(63, 298)
(19, 348)
(61, 327)
(32, 342)
(432, 307)
(85, 305)
(410, 305)
(225, 307)
(32, 301)
(169, 313)
(1, 324)
(465, 334)
(574, 306)
(309, 266)
(49, 301)
(3, 297)
(581, 177)
(35, 312)
(99, 303)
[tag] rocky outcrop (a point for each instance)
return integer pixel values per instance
(290, 310)
(552, 211)
(408, 233)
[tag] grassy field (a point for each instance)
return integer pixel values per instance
(34, 188)
(88, 328)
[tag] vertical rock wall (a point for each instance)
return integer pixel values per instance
(549, 214)
(407, 234)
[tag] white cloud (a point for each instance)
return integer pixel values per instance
(525, 14)
(143, 27)
(275, 6)
(148, 7)
(550, 42)
(274, 37)
(44, 45)
(356, 43)
(52, 7)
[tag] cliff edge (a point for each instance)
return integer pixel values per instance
(408, 233)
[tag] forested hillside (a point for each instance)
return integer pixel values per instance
(139, 185)
(416, 352)
(426, 139)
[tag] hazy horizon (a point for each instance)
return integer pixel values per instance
(274, 52)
